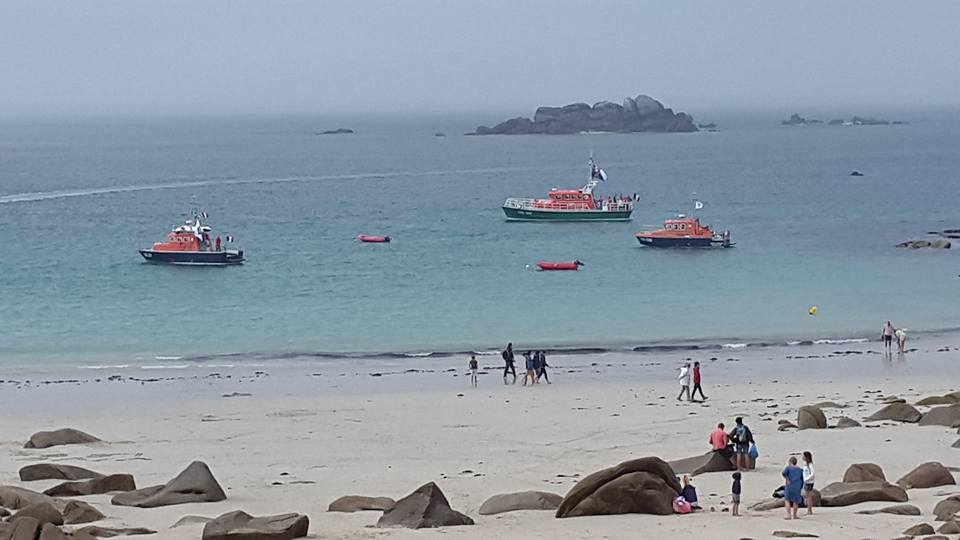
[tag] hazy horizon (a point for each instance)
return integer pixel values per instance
(375, 57)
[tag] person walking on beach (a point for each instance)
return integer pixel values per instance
(742, 438)
(901, 334)
(887, 336)
(529, 373)
(474, 366)
(792, 485)
(696, 383)
(543, 367)
(684, 379)
(507, 355)
(809, 477)
(735, 490)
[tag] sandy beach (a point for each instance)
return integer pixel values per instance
(292, 438)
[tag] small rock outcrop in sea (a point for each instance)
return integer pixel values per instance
(524, 500)
(948, 416)
(195, 484)
(359, 503)
(55, 471)
(864, 472)
(46, 439)
(639, 114)
(242, 526)
(338, 131)
(900, 412)
(811, 417)
(76, 512)
(847, 493)
(425, 508)
(704, 463)
(927, 475)
(793, 534)
(94, 486)
(917, 244)
(797, 120)
(639, 486)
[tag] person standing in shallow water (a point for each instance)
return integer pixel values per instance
(508, 366)
(474, 367)
(887, 336)
(696, 383)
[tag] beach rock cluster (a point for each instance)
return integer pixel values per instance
(640, 486)
(639, 114)
(917, 244)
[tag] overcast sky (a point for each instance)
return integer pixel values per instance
(330, 56)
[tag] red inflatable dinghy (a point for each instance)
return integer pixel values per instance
(370, 239)
(546, 265)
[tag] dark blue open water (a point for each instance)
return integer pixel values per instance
(78, 198)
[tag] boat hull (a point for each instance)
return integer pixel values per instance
(193, 258)
(520, 214)
(668, 242)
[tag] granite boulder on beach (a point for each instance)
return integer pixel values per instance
(360, 503)
(640, 486)
(864, 472)
(948, 416)
(704, 463)
(55, 471)
(425, 508)
(94, 486)
(195, 484)
(849, 493)
(900, 412)
(524, 500)
(927, 475)
(59, 437)
(811, 417)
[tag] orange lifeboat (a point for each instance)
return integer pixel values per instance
(547, 265)
(373, 239)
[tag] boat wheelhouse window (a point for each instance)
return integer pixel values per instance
(682, 226)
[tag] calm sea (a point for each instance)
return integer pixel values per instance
(78, 198)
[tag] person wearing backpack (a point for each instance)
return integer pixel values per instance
(508, 367)
(742, 438)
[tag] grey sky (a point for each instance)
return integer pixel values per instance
(158, 56)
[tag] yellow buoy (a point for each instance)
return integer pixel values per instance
(812, 310)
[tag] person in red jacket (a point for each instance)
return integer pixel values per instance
(218, 249)
(696, 382)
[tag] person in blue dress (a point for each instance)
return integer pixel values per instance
(793, 488)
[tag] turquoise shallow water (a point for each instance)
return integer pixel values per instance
(77, 199)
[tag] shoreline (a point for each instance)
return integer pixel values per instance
(27, 362)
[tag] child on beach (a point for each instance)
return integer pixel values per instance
(473, 370)
(735, 494)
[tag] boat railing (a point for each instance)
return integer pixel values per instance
(518, 204)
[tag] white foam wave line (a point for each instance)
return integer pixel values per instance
(48, 195)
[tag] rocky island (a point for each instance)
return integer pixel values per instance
(639, 114)
(797, 120)
(338, 131)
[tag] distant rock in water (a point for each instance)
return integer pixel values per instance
(338, 131)
(639, 114)
(797, 120)
(711, 125)
(439, 134)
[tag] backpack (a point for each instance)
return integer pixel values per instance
(740, 434)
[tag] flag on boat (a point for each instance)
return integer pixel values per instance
(203, 215)
(697, 204)
(229, 239)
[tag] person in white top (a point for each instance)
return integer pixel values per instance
(901, 334)
(887, 335)
(809, 477)
(684, 379)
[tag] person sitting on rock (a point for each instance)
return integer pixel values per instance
(689, 493)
